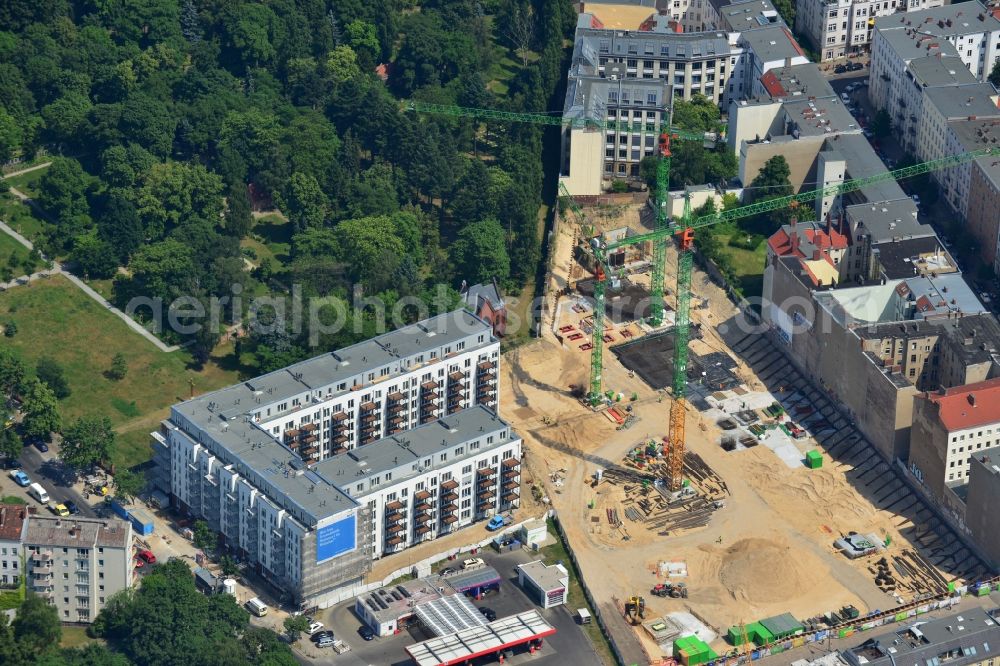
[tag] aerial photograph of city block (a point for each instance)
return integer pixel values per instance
(468, 332)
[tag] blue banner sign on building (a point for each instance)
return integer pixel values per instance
(336, 539)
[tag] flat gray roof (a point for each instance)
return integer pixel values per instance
(885, 220)
(449, 614)
(819, 117)
(940, 71)
(963, 18)
(399, 453)
(657, 45)
(862, 161)
(772, 43)
(956, 102)
(979, 134)
(545, 576)
(907, 43)
(750, 14)
(77, 532)
(805, 80)
(588, 97)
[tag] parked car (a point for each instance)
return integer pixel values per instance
(320, 635)
(72, 507)
(20, 478)
(855, 66)
(446, 570)
(473, 563)
(147, 556)
(314, 627)
(840, 69)
(41, 446)
(488, 613)
(59, 509)
(366, 633)
(326, 642)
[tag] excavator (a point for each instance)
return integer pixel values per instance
(635, 609)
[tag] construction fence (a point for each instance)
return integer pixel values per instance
(623, 657)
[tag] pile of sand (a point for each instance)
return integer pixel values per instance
(766, 571)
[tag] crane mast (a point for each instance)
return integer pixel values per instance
(662, 231)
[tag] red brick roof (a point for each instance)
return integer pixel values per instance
(772, 85)
(11, 520)
(968, 406)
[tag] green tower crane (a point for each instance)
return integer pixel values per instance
(685, 236)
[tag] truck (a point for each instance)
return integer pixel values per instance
(39, 493)
(498, 522)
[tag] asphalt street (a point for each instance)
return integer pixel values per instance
(54, 476)
(569, 645)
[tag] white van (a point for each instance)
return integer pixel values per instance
(36, 491)
(257, 607)
(473, 563)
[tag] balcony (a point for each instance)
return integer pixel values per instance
(486, 365)
(395, 529)
(422, 530)
(422, 495)
(485, 482)
(450, 484)
(339, 417)
(422, 518)
(368, 406)
(486, 471)
(485, 495)
(449, 519)
(449, 508)
(394, 541)
(511, 485)
(509, 497)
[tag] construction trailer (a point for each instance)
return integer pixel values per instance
(692, 651)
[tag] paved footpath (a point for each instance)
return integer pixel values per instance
(61, 270)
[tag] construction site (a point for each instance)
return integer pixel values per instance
(781, 507)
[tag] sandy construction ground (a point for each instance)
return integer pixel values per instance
(767, 551)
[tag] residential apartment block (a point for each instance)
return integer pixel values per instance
(971, 30)
(77, 563)
(293, 468)
(950, 428)
(981, 500)
(12, 564)
(840, 28)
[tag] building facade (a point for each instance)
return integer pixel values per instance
(249, 459)
(950, 428)
(981, 503)
(839, 28)
(13, 518)
(77, 563)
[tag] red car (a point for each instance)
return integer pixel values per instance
(147, 556)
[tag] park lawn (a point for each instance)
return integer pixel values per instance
(749, 265)
(20, 217)
(276, 233)
(104, 287)
(74, 637)
(55, 319)
(10, 246)
(27, 183)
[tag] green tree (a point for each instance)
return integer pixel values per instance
(119, 225)
(995, 74)
(175, 192)
(304, 202)
(882, 124)
(10, 443)
(361, 37)
(342, 65)
(94, 257)
(119, 367)
(772, 182)
(373, 248)
(228, 566)
(62, 189)
(87, 442)
(49, 371)
(204, 537)
(238, 217)
(480, 252)
(699, 114)
(65, 117)
(128, 484)
(295, 626)
(11, 135)
(12, 371)
(162, 270)
(92, 654)
(36, 626)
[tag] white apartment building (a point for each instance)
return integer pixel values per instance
(968, 27)
(838, 28)
(435, 479)
(950, 427)
(762, 50)
(246, 458)
(937, 138)
(77, 563)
